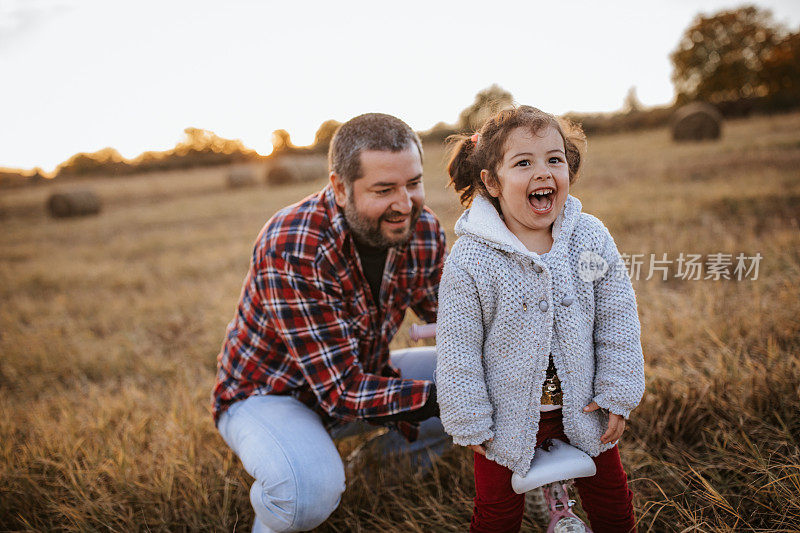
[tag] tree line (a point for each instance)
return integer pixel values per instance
(739, 60)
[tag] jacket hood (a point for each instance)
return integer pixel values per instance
(482, 221)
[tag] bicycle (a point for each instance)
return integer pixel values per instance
(554, 468)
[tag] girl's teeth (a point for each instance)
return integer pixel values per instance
(540, 203)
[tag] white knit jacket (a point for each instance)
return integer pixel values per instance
(504, 309)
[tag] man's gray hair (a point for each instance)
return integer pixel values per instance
(371, 131)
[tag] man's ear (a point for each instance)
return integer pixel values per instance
(339, 190)
(490, 183)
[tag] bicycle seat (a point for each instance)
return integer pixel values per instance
(557, 462)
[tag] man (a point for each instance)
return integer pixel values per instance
(306, 357)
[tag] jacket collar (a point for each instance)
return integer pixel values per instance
(483, 222)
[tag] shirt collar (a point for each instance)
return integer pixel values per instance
(339, 228)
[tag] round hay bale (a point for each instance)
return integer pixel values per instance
(242, 177)
(697, 121)
(76, 203)
(297, 168)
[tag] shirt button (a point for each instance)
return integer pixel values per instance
(567, 301)
(543, 306)
(537, 268)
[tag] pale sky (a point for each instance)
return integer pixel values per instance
(80, 75)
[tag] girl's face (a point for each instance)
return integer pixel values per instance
(534, 182)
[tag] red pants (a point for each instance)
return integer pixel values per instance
(605, 496)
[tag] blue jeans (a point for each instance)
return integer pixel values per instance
(299, 475)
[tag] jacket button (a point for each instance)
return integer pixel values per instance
(537, 268)
(567, 301)
(524, 306)
(543, 305)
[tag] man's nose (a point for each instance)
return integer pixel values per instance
(402, 203)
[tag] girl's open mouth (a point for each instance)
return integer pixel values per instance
(541, 200)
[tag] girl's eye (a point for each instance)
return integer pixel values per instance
(555, 160)
(523, 163)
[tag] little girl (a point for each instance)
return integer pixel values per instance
(538, 333)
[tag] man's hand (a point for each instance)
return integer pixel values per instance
(616, 424)
(479, 448)
(429, 409)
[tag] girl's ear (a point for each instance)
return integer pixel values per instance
(490, 184)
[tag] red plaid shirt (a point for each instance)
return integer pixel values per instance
(307, 324)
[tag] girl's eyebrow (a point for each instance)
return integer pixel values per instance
(559, 150)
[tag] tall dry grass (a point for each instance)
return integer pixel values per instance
(109, 327)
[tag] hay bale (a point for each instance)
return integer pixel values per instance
(242, 177)
(297, 168)
(697, 121)
(75, 203)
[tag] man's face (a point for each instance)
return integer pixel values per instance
(383, 206)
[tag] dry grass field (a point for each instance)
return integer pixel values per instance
(110, 325)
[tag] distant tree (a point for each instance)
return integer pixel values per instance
(281, 141)
(487, 102)
(723, 57)
(106, 161)
(631, 104)
(200, 140)
(324, 134)
(781, 72)
(37, 176)
(13, 177)
(438, 133)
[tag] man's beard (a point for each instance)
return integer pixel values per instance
(368, 231)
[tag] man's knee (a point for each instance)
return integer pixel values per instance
(298, 502)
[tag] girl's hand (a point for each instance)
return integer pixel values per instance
(479, 448)
(616, 424)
